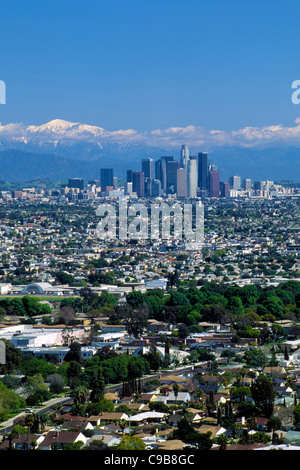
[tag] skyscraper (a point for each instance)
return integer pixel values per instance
(184, 157)
(148, 187)
(161, 171)
(129, 176)
(247, 184)
(213, 181)
(192, 177)
(224, 189)
(138, 183)
(147, 167)
(107, 176)
(181, 183)
(235, 182)
(156, 188)
(202, 172)
(172, 167)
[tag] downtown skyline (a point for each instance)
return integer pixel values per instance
(150, 77)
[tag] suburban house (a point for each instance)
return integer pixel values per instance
(76, 425)
(261, 423)
(176, 417)
(278, 372)
(57, 439)
(23, 442)
(148, 397)
(106, 439)
(105, 417)
(215, 430)
(171, 398)
(147, 417)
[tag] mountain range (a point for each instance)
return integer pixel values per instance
(60, 149)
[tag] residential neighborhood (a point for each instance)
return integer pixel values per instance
(154, 346)
(149, 232)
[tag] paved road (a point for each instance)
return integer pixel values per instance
(6, 426)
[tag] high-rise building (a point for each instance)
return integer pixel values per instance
(107, 176)
(214, 182)
(148, 187)
(247, 184)
(181, 183)
(138, 183)
(224, 189)
(147, 167)
(128, 188)
(184, 156)
(258, 185)
(172, 167)
(129, 176)
(192, 177)
(235, 182)
(202, 172)
(77, 183)
(156, 188)
(161, 171)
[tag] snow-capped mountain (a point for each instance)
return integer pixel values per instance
(52, 134)
(77, 149)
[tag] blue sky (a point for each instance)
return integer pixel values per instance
(220, 64)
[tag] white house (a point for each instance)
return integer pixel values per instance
(170, 398)
(147, 416)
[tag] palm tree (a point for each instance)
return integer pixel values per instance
(175, 390)
(29, 420)
(79, 394)
(222, 441)
(43, 420)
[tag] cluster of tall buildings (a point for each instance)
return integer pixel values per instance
(191, 177)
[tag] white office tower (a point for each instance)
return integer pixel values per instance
(184, 156)
(247, 184)
(235, 182)
(192, 177)
(129, 189)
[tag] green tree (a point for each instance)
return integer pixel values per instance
(255, 358)
(33, 366)
(153, 357)
(273, 423)
(103, 405)
(79, 394)
(122, 424)
(37, 390)
(135, 299)
(73, 373)
(9, 402)
(131, 443)
(74, 353)
(263, 394)
(97, 386)
(13, 358)
(136, 321)
(235, 305)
